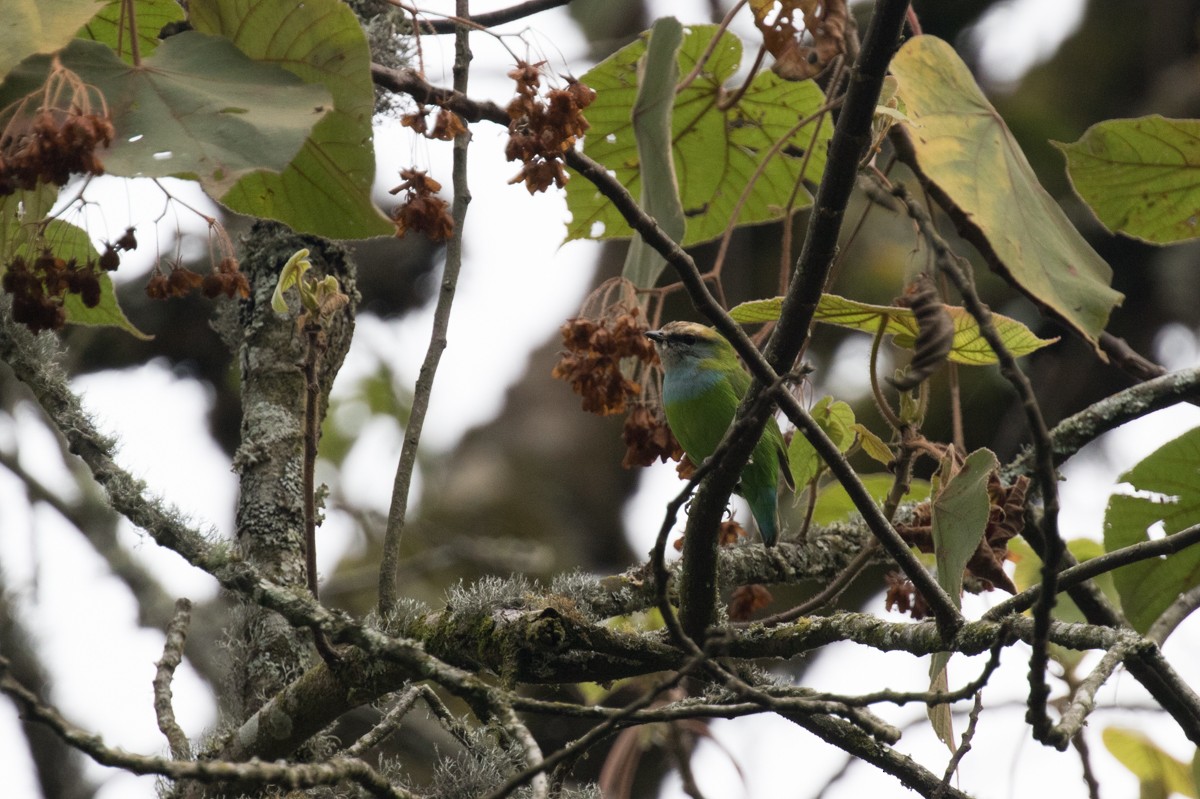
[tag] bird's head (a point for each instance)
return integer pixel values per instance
(683, 344)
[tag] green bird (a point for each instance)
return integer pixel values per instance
(703, 382)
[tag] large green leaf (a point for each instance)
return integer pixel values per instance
(326, 189)
(20, 236)
(964, 147)
(152, 15)
(716, 152)
(36, 26)
(1164, 498)
(969, 347)
(1140, 176)
(197, 108)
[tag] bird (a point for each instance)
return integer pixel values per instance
(703, 383)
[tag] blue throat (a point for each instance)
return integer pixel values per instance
(688, 382)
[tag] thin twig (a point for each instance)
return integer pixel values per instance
(164, 673)
(1096, 566)
(398, 507)
(256, 773)
(491, 18)
(964, 746)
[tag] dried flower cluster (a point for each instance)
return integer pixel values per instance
(39, 288)
(747, 599)
(226, 279)
(543, 128)
(591, 363)
(728, 534)
(648, 438)
(446, 126)
(52, 133)
(179, 281)
(422, 210)
(592, 360)
(1006, 519)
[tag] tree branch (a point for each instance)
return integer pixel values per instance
(398, 507)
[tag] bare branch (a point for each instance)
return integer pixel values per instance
(172, 656)
(302, 775)
(398, 508)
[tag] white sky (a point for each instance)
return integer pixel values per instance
(81, 615)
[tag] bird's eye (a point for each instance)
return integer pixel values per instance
(687, 339)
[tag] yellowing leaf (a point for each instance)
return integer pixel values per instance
(964, 147)
(1141, 177)
(969, 348)
(36, 26)
(872, 444)
(716, 151)
(1158, 772)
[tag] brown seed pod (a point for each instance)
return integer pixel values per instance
(935, 334)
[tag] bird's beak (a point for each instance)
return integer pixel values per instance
(654, 335)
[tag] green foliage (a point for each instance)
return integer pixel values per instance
(964, 147)
(969, 347)
(198, 108)
(1164, 491)
(68, 241)
(836, 418)
(834, 504)
(1139, 176)
(326, 189)
(1029, 573)
(35, 26)
(152, 16)
(1159, 774)
(716, 151)
(959, 516)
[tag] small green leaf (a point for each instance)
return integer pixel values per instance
(834, 504)
(292, 274)
(326, 189)
(152, 15)
(835, 418)
(1158, 773)
(873, 445)
(1139, 176)
(1164, 498)
(716, 151)
(964, 147)
(969, 347)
